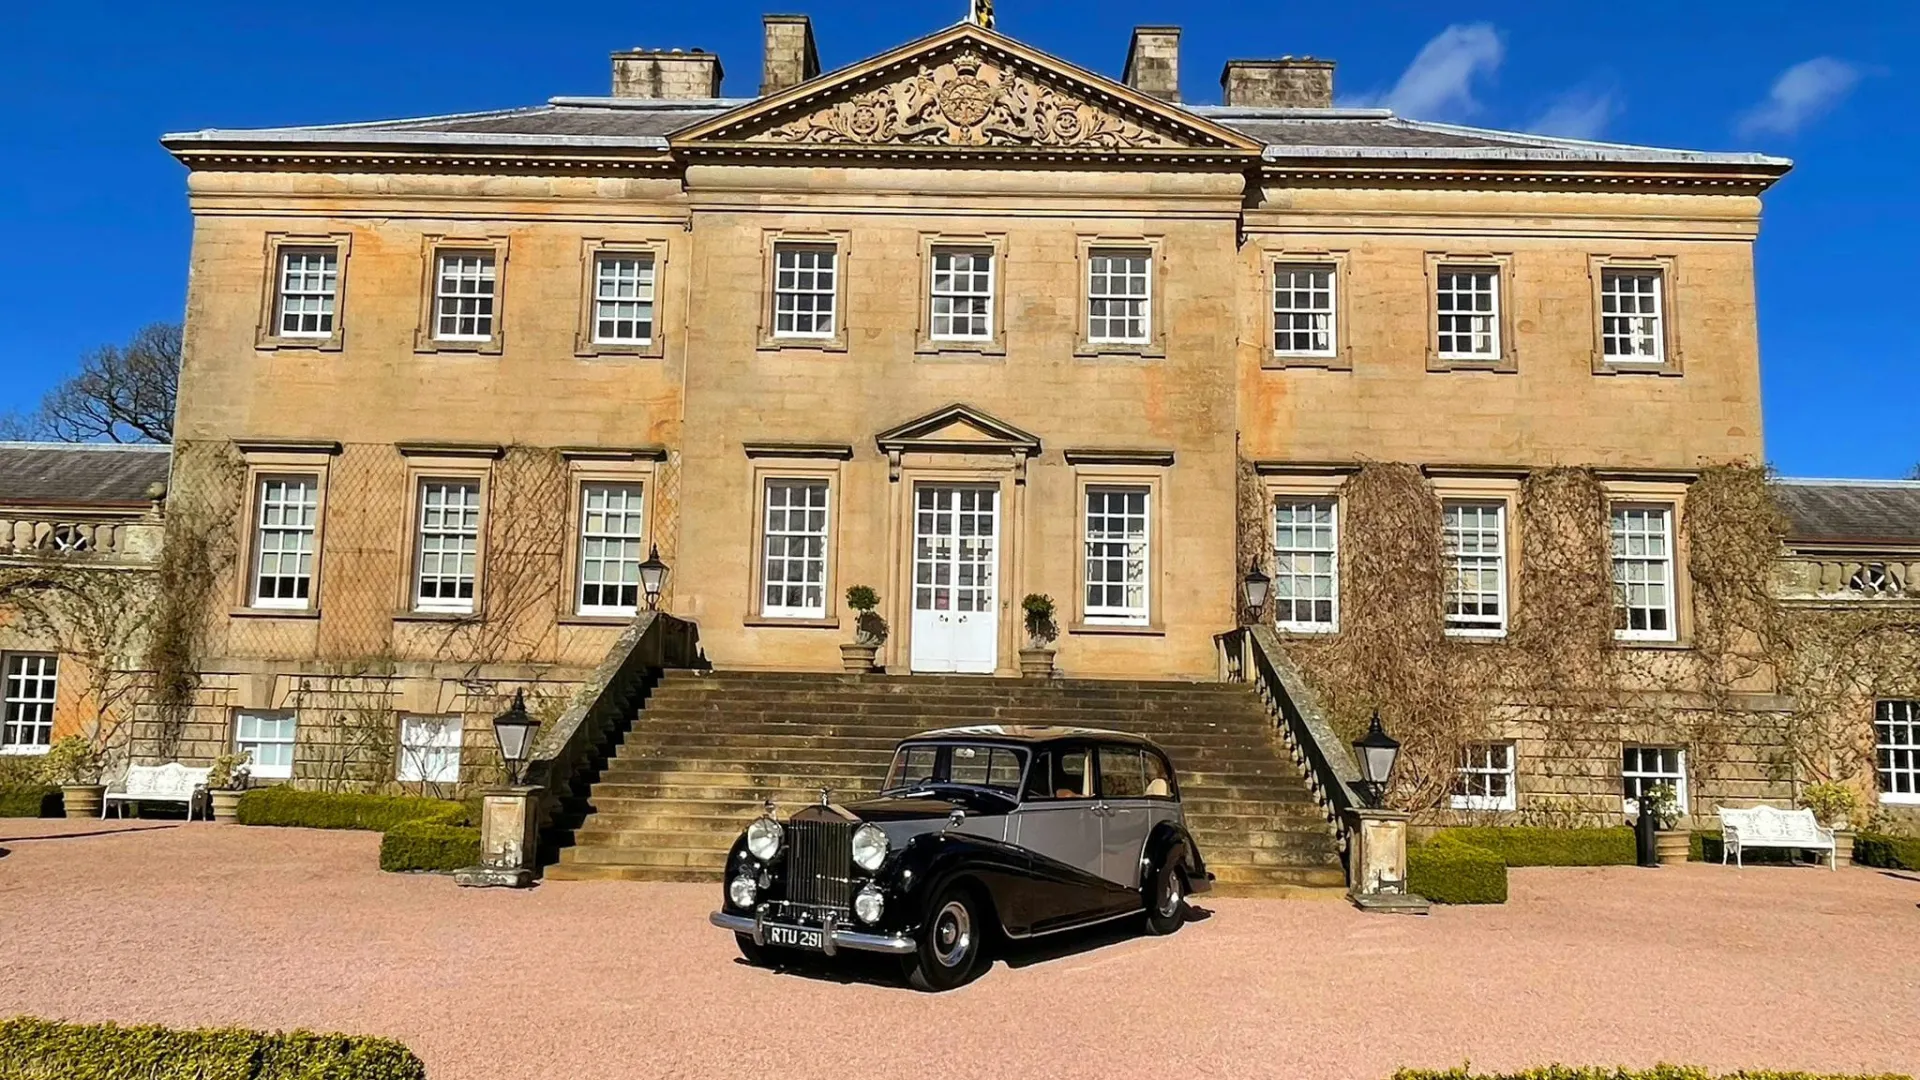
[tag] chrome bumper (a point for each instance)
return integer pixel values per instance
(832, 938)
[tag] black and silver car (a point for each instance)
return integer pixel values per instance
(980, 832)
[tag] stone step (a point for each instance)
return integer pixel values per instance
(1240, 874)
(566, 871)
(698, 858)
(1233, 760)
(657, 731)
(844, 683)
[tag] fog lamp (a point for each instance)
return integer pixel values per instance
(868, 904)
(742, 891)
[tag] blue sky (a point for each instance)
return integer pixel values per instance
(88, 197)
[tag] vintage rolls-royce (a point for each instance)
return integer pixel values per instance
(978, 832)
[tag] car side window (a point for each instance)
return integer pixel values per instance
(1122, 775)
(1159, 777)
(1061, 774)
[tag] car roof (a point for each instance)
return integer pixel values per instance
(1033, 735)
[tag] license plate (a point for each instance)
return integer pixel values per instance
(793, 937)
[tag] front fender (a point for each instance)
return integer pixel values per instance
(1173, 841)
(934, 860)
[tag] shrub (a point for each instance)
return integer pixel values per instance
(30, 800)
(1658, 1072)
(72, 760)
(1550, 847)
(424, 845)
(1887, 852)
(1450, 871)
(1830, 802)
(1041, 629)
(344, 810)
(31, 1048)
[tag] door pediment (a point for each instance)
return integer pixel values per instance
(957, 429)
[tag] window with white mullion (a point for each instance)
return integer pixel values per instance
(1642, 767)
(463, 296)
(1896, 737)
(1119, 297)
(1483, 777)
(794, 550)
(268, 739)
(309, 287)
(429, 750)
(1303, 311)
(1631, 316)
(612, 525)
(1468, 306)
(623, 299)
(1643, 581)
(805, 290)
(32, 688)
(1117, 555)
(1476, 547)
(448, 548)
(962, 294)
(284, 542)
(1306, 557)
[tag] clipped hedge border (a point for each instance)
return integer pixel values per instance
(31, 1049)
(30, 800)
(1658, 1072)
(1533, 846)
(1886, 851)
(414, 846)
(291, 807)
(1451, 871)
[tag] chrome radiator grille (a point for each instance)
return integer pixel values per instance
(820, 863)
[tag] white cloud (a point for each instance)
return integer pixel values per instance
(1803, 93)
(1577, 114)
(1439, 84)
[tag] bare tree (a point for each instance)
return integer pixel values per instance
(122, 394)
(1914, 473)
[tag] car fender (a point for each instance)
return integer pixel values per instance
(932, 861)
(1171, 840)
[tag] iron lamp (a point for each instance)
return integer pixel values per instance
(513, 731)
(1377, 751)
(1253, 589)
(653, 574)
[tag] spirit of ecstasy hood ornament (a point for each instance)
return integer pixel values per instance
(826, 796)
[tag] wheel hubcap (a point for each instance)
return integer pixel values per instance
(1169, 896)
(952, 934)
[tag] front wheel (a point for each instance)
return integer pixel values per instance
(1167, 905)
(949, 944)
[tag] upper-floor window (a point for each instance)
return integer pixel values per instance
(32, 687)
(1483, 777)
(1896, 737)
(447, 549)
(1467, 304)
(1119, 296)
(1116, 563)
(463, 296)
(1303, 310)
(1643, 584)
(1475, 534)
(284, 541)
(1306, 558)
(962, 294)
(794, 550)
(611, 527)
(309, 288)
(1632, 317)
(805, 288)
(623, 298)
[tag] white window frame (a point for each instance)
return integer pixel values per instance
(276, 539)
(599, 537)
(954, 296)
(289, 738)
(463, 536)
(1483, 761)
(1459, 562)
(1100, 279)
(429, 749)
(1123, 550)
(449, 304)
(1620, 327)
(1622, 533)
(786, 536)
(1445, 285)
(1282, 568)
(319, 287)
(1285, 283)
(28, 681)
(638, 299)
(1896, 730)
(1659, 774)
(826, 267)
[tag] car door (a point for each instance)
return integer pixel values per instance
(1125, 813)
(1055, 822)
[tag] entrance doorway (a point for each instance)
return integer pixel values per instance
(956, 579)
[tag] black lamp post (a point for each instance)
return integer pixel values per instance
(653, 574)
(1253, 590)
(1377, 751)
(513, 731)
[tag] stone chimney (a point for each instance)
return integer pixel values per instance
(790, 57)
(1153, 62)
(666, 74)
(1285, 83)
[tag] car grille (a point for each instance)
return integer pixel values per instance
(820, 863)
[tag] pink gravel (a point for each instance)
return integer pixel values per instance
(213, 924)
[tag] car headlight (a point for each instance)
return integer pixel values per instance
(763, 838)
(741, 891)
(868, 904)
(869, 847)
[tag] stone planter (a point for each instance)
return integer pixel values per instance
(858, 658)
(82, 800)
(226, 803)
(1036, 663)
(1843, 847)
(1671, 846)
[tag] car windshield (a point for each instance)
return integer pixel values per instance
(918, 765)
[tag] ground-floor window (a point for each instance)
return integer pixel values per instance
(268, 738)
(429, 750)
(32, 684)
(1642, 767)
(1116, 565)
(1896, 736)
(794, 550)
(1483, 779)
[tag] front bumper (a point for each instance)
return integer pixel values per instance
(833, 938)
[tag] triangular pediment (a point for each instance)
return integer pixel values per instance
(965, 89)
(957, 428)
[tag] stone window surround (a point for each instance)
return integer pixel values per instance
(1121, 469)
(1316, 482)
(841, 241)
(1666, 266)
(638, 466)
(793, 461)
(1468, 485)
(266, 333)
(1639, 490)
(433, 246)
(420, 752)
(1507, 362)
(591, 249)
(1271, 259)
(925, 344)
(1155, 347)
(264, 459)
(449, 462)
(1510, 770)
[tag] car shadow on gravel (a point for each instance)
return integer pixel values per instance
(91, 832)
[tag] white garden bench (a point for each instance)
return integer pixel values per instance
(1772, 827)
(172, 782)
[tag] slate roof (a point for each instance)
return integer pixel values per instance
(1851, 511)
(80, 474)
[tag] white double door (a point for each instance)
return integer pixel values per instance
(956, 578)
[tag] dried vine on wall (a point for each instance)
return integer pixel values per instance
(199, 550)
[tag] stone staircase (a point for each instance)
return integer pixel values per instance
(707, 748)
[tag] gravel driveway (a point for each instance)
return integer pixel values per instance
(216, 924)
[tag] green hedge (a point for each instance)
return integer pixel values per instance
(424, 845)
(30, 800)
(344, 810)
(32, 1049)
(1550, 847)
(1887, 852)
(1658, 1072)
(1450, 871)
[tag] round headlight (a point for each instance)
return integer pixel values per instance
(868, 904)
(741, 891)
(763, 838)
(869, 847)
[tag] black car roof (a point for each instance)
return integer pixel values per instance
(1033, 735)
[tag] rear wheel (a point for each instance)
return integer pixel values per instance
(1167, 903)
(757, 955)
(949, 947)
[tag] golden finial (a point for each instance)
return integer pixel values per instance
(982, 15)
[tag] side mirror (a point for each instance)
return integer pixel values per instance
(956, 819)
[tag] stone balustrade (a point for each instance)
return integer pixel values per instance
(1893, 578)
(55, 538)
